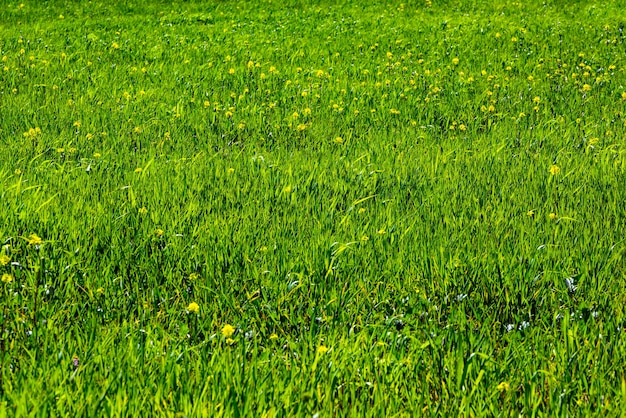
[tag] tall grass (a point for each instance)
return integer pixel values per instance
(263, 209)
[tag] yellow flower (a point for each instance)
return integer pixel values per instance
(322, 349)
(530, 213)
(552, 216)
(503, 387)
(7, 278)
(230, 341)
(274, 336)
(34, 239)
(228, 331)
(193, 308)
(159, 232)
(455, 61)
(4, 259)
(301, 127)
(143, 210)
(555, 169)
(586, 87)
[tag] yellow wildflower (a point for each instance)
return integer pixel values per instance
(34, 239)
(555, 169)
(503, 387)
(193, 308)
(322, 349)
(4, 259)
(228, 331)
(7, 278)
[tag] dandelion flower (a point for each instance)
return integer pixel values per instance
(552, 216)
(4, 259)
(322, 349)
(193, 308)
(7, 278)
(555, 169)
(586, 87)
(34, 239)
(274, 336)
(503, 387)
(228, 331)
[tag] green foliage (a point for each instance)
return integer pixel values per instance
(290, 209)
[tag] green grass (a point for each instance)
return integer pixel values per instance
(403, 209)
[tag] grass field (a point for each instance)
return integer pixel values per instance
(268, 208)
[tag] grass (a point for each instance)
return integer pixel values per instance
(263, 209)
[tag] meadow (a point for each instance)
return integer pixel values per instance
(284, 208)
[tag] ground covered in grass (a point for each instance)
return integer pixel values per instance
(312, 209)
